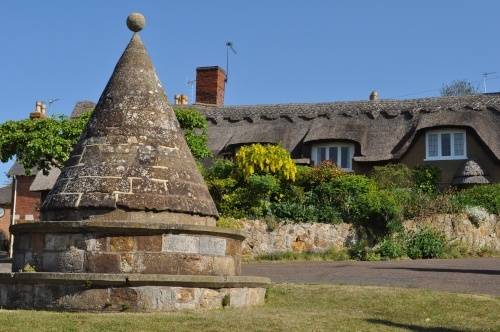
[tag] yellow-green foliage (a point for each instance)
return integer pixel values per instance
(272, 159)
(229, 222)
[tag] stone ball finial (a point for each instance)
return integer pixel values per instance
(136, 22)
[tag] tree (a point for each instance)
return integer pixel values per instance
(458, 88)
(47, 143)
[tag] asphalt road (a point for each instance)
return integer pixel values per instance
(470, 275)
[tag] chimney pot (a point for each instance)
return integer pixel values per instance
(210, 85)
(40, 111)
(374, 95)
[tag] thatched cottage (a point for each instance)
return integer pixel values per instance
(461, 135)
(357, 135)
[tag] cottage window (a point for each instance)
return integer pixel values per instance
(445, 145)
(338, 153)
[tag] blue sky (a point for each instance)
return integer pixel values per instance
(288, 51)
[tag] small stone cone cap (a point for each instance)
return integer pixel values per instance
(132, 156)
(470, 173)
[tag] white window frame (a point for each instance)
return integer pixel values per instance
(452, 144)
(316, 147)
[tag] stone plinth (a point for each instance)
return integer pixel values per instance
(115, 266)
(127, 292)
(125, 247)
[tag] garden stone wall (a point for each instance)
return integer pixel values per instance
(476, 234)
(296, 237)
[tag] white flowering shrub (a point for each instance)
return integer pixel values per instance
(476, 214)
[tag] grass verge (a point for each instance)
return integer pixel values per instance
(294, 308)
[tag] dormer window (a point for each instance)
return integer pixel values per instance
(445, 145)
(338, 153)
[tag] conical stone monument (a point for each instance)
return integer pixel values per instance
(130, 222)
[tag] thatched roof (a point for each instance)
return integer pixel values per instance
(82, 107)
(470, 173)
(17, 169)
(384, 129)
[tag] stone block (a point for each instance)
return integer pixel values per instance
(184, 295)
(18, 261)
(78, 241)
(99, 244)
(238, 297)
(71, 260)
(123, 298)
(50, 262)
(22, 242)
(210, 245)
(102, 262)
(223, 266)
(156, 298)
(122, 243)
(127, 263)
(57, 242)
(181, 243)
(233, 247)
(195, 264)
(210, 299)
(83, 299)
(37, 243)
(152, 243)
(159, 263)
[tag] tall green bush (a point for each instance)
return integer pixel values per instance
(393, 176)
(426, 178)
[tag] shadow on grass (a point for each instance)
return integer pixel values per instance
(412, 327)
(428, 269)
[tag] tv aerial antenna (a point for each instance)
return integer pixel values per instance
(190, 84)
(486, 77)
(229, 47)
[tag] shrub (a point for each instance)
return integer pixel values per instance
(393, 176)
(310, 177)
(253, 200)
(194, 125)
(358, 200)
(220, 169)
(426, 178)
(391, 248)
(265, 159)
(361, 251)
(415, 203)
(425, 243)
(306, 209)
(486, 196)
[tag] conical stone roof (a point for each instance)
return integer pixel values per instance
(132, 157)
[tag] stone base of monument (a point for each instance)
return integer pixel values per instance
(123, 265)
(127, 292)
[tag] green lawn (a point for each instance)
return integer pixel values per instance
(295, 308)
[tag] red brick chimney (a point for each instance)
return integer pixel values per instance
(210, 85)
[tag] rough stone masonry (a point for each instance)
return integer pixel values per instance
(130, 224)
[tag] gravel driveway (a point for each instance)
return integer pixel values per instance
(470, 275)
